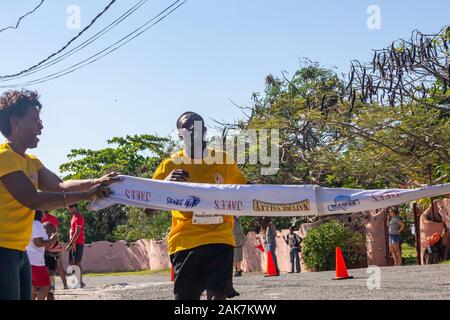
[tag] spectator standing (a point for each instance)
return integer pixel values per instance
(40, 278)
(396, 227)
(271, 241)
(293, 241)
(51, 258)
(76, 243)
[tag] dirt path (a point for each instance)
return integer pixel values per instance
(410, 282)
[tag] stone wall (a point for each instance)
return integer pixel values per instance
(377, 252)
(103, 256)
(152, 255)
(427, 227)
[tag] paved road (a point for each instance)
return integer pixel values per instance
(409, 282)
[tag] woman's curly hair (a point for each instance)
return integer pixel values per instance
(16, 104)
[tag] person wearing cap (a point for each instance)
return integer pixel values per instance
(52, 259)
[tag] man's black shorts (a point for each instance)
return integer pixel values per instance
(77, 256)
(208, 267)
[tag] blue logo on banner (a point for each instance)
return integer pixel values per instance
(342, 203)
(177, 202)
(191, 202)
(188, 203)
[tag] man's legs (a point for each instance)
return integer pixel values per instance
(237, 266)
(237, 261)
(190, 280)
(231, 293)
(78, 259)
(292, 256)
(51, 290)
(78, 264)
(51, 264)
(207, 267)
(71, 257)
(219, 267)
(43, 292)
(60, 270)
(75, 258)
(297, 261)
(33, 293)
(52, 274)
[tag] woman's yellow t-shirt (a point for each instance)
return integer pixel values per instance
(183, 233)
(16, 221)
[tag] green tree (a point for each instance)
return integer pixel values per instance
(137, 155)
(140, 226)
(402, 146)
(329, 141)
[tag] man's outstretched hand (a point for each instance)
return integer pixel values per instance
(178, 175)
(109, 178)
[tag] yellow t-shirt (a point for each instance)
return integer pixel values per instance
(16, 221)
(183, 233)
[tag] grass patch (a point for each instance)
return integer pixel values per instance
(128, 273)
(409, 254)
(410, 257)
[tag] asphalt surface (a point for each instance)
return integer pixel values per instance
(431, 282)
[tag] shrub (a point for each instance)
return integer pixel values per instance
(319, 246)
(408, 218)
(139, 226)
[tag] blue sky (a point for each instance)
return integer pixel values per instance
(204, 55)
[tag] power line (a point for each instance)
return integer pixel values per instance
(65, 46)
(83, 45)
(115, 46)
(23, 17)
(99, 55)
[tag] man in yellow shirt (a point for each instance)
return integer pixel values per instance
(200, 246)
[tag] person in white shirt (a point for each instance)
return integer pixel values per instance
(36, 251)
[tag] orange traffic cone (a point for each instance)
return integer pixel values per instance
(341, 269)
(271, 270)
(172, 274)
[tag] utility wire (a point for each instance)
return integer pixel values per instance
(83, 45)
(23, 17)
(131, 36)
(64, 47)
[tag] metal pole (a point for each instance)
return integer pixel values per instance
(432, 208)
(386, 240)
(417, 231)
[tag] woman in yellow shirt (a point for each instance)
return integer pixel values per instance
(26, 185)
